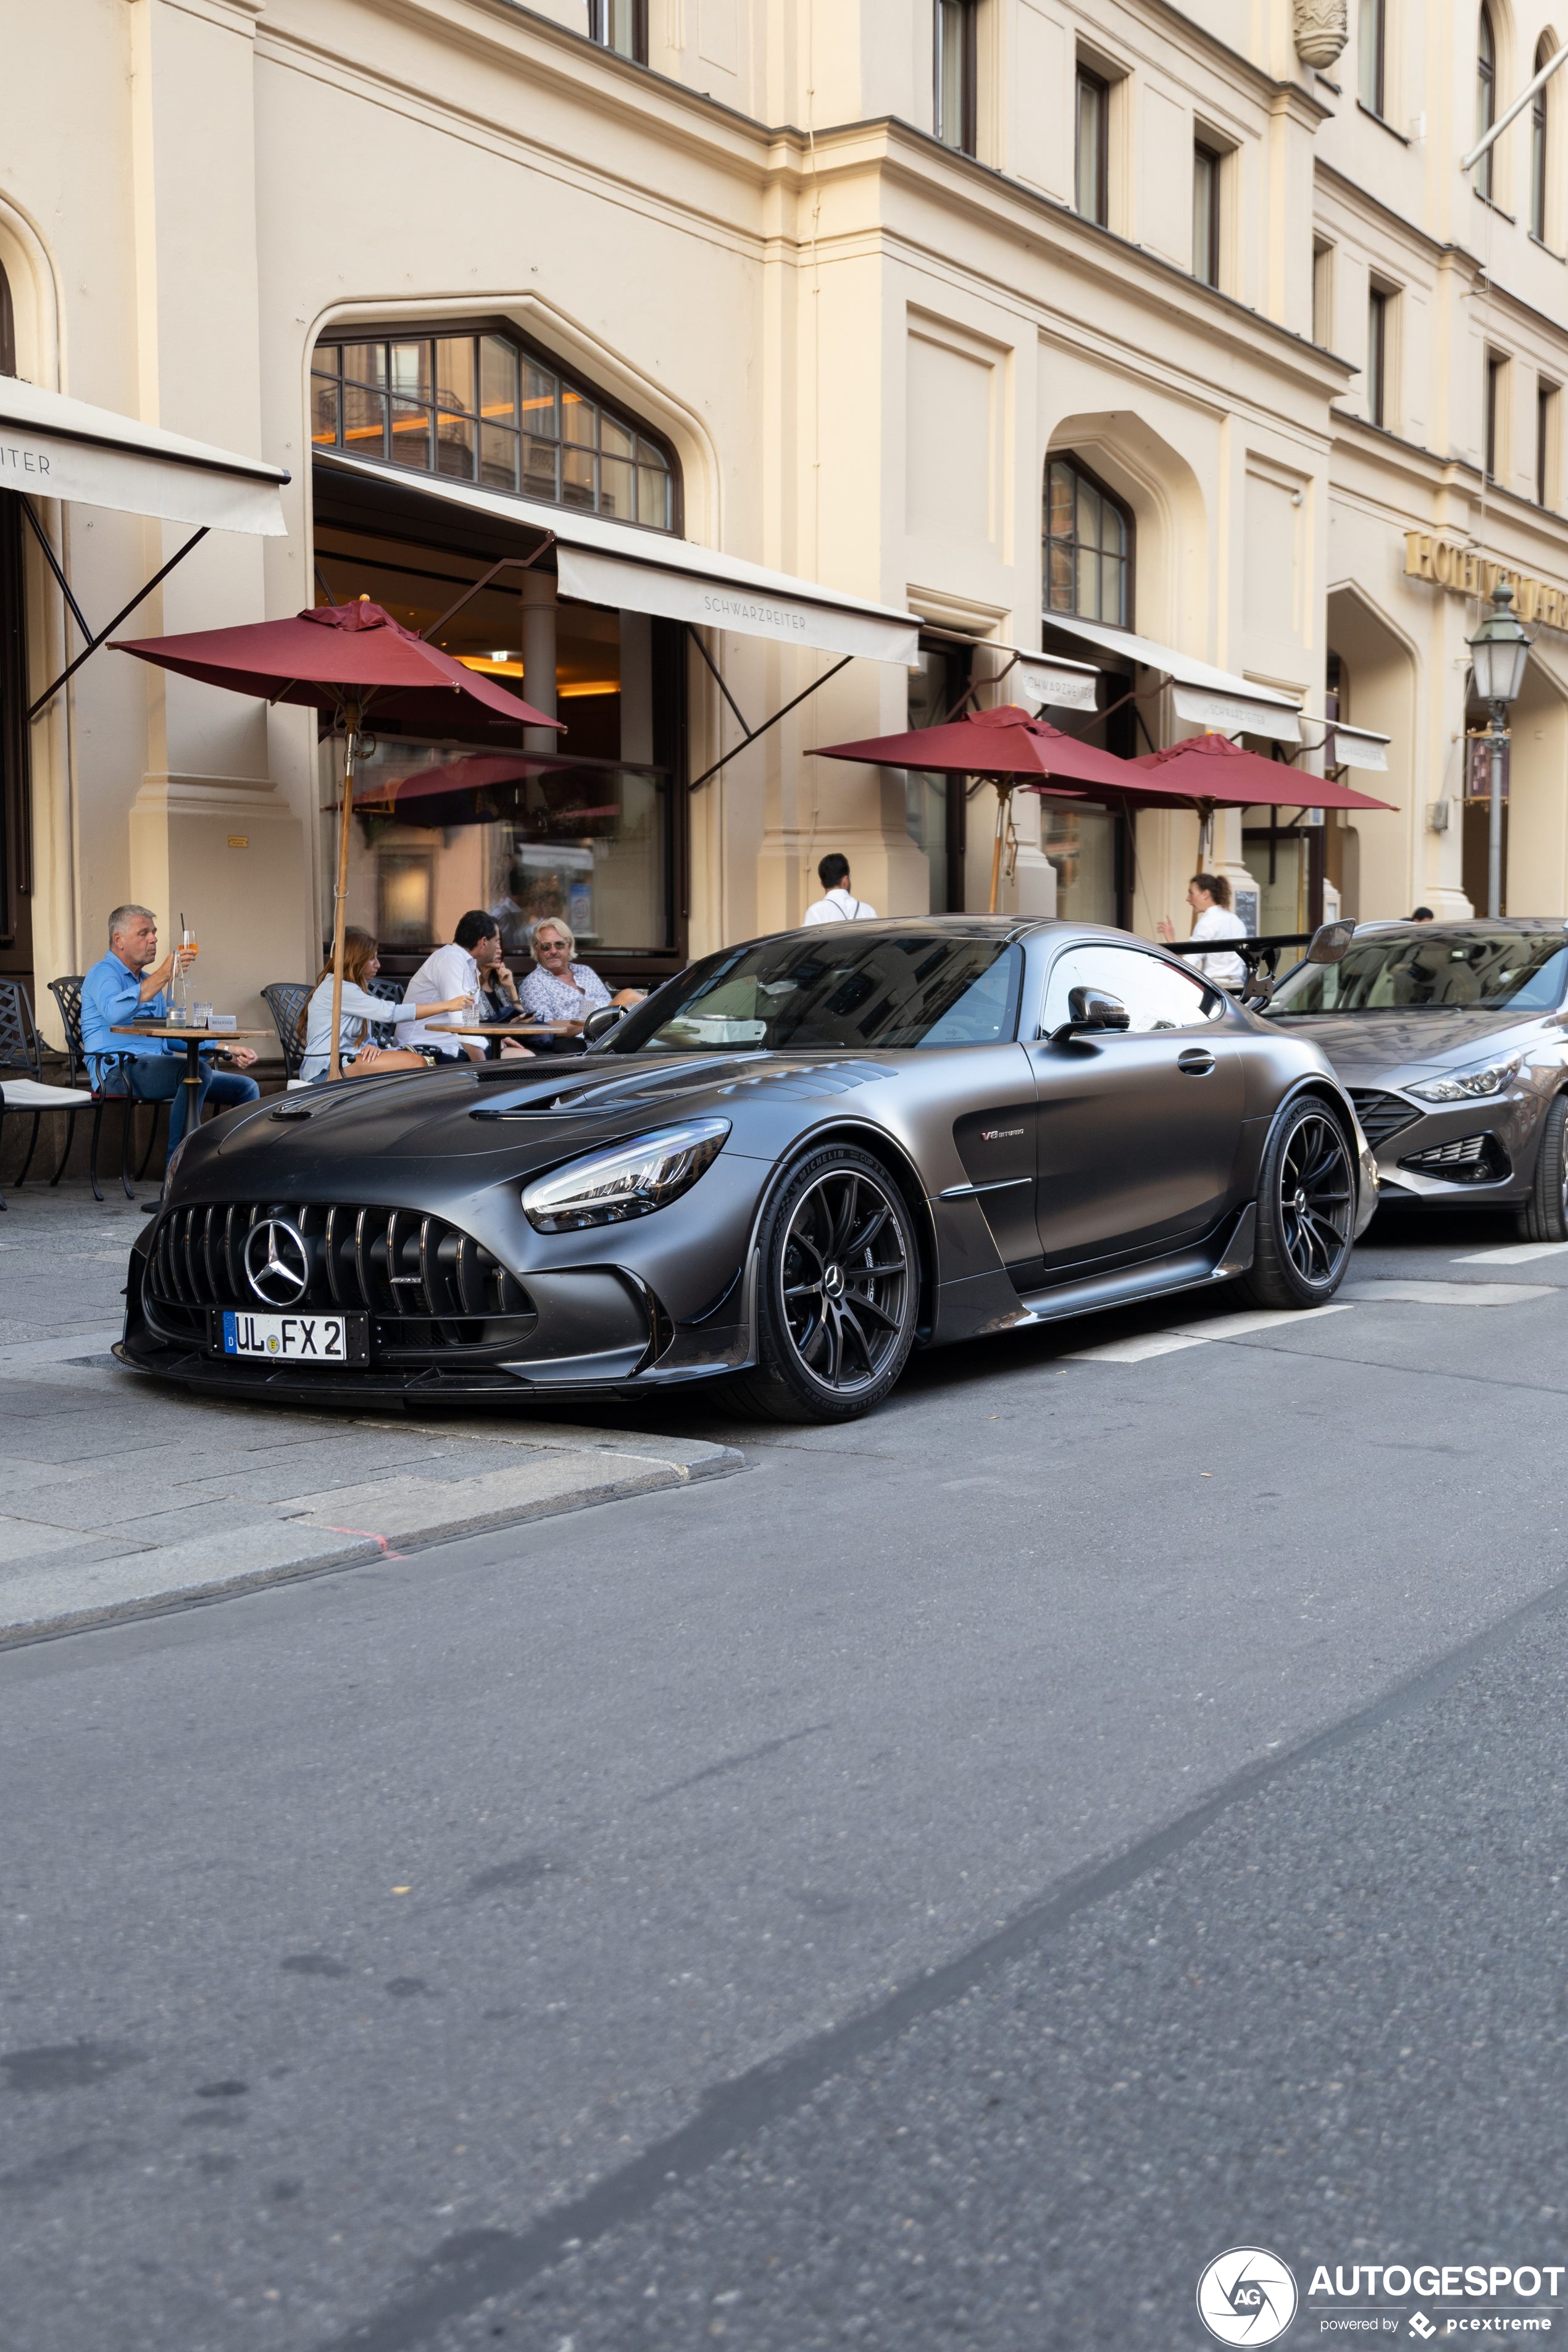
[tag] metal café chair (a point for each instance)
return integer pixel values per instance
(66, 993)
(22, 1084)
(286, 1000)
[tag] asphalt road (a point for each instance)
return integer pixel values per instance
(943, 1885)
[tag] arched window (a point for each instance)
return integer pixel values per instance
(1486, 95)
(1537, 150)
(7, 327)
(479, 408)
(1089, 546)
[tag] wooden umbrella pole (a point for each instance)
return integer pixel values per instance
(341, 896)
(1002, 800)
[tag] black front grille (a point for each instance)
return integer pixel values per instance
(1466, 1160)
(1381, 1115)
(397, 1263)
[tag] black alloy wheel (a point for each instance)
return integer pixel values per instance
(837, 1292)
(1545, 1216)
(1306, 1209)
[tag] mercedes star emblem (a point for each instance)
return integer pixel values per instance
(277, 1262)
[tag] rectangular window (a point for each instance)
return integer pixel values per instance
(1323, 297)
(1093, 172)
(954, 109)
(1371, 46)
(621, 26)
(1205, 215)
(1546, 396)
(1496, 385)
(1377, 310)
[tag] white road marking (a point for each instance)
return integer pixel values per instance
(1514, 1254)
(1452, 1294)
(1199, 1335)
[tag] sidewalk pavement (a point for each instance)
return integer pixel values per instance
(118, 1497)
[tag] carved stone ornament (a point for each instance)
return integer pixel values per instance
(1322, 28)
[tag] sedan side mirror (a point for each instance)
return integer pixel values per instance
(1089, 1008)
(1330, 941)
(599, 1022)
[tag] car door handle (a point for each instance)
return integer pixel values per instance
(1196, 1062)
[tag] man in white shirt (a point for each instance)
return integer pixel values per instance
(446, 972)
(839, 905)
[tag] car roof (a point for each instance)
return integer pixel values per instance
(1462, 927)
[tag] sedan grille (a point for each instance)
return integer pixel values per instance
(1467, 1159)
(1381, 1115)
(394, 1261)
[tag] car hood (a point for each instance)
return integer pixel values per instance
(485, 1114)
(1367, 1046)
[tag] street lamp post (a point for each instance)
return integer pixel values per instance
(1499, 651)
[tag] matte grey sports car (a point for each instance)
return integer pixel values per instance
(798, 1161)
(1452, 1040)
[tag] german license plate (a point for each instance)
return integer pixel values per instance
(295, 1338)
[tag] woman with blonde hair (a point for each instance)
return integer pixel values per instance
(358, 1013)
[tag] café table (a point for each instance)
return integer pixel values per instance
(192, 1040)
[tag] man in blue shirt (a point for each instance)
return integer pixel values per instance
(125, 985)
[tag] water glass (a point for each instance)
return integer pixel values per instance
(202, 1015)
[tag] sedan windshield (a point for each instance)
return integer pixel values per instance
(845, 988)
(1407, 970)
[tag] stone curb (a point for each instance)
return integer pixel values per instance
(533, 1470)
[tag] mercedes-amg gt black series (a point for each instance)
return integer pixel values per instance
(798, 1161)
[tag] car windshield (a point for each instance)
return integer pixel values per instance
(830, 987)
(1408, 971)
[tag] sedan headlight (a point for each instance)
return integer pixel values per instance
(632, 1181)
(1467, 1086)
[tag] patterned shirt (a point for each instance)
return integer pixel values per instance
(545, 998)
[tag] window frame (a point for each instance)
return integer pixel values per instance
(1486, 95)
(599, 28)
(1324, 252)
(1070, 458)
(430, 330)
(1547, 397)
(1085, 79)
(1494, 422)
(1375, 13)
(1540, 149)
(1379, 305)
(1208, 163)
(967, 12)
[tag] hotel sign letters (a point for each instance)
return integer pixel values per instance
(1467, 573)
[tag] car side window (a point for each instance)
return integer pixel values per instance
(1157, 996)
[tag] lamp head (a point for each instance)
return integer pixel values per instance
(1500, 650)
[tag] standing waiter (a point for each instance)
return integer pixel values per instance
(840, 904)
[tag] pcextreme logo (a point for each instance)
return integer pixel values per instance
(1247, 2296)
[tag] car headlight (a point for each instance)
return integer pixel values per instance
(632, 1181)
(1466, 1086)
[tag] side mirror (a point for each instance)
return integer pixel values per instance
(1330, 942)
(1089, 1008)
(599, 1022)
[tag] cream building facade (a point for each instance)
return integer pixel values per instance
(1160, 342)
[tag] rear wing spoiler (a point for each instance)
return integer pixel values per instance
(1261, 955)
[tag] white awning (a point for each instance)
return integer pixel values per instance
(60, 448)
(1063, 685)
(1356, 747)
(1205, 697)
(617, 563)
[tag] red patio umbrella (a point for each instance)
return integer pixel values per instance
(1212, 769)
(1007, 747)
(344, 657)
